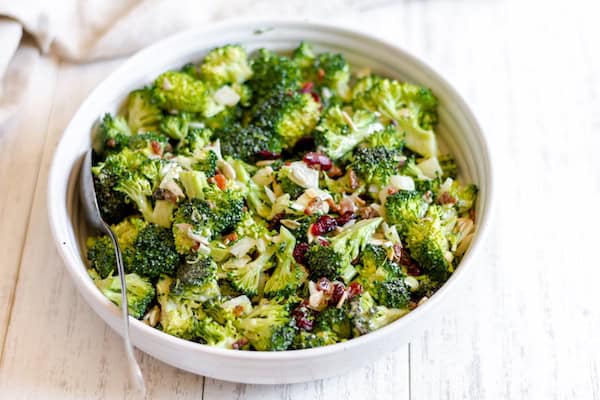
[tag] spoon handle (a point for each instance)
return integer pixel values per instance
(134, 368)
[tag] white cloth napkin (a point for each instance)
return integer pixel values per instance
(87, 30)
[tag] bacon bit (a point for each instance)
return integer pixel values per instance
(472, 214)
(412, 305)
(111, 143)
(347, 205)
(231, 237)
(275, 221)
(320, 73)
(307, 87)
(354, 289)
(392, 190)
(334, 172)
(332, 206)
(354, 184)
(446, 198)
(168, 148)
(398, 253)
(238, 310)
(239, 343)
(156, 149)
(164, 194)
(196, 246)
(221, 181)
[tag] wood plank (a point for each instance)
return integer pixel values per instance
(56, 347)
(22, 143)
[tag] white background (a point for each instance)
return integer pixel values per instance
(525, 324)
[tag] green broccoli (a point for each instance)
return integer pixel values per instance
(214, 334)
(412, 107)
(289, 115)
(339, 130)
(449, 167)
(195, 271)
(465, 196)
(273, 74)
(268, 327)
(127, 231)
(245, 274)
(143, 114)
(247, 143)
(288, 275)
(391, 138)
(179, 91)
(428, 245)
(154, 252)
(287, 184)
(375, 164)
(194, 183)
(138, 190)
(140, 292)
(335, 320)
(227, 64)
(368, 317)
(112, 134)
(151, 144)
(334, 261)
(176, 126)
(195, 140)
(179, 315)
(193, 219)
(227, 207)
(309, 340)
(101, 255)
(404, 208)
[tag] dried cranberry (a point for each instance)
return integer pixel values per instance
(405, 258)
(300, 253)
(319, 160)
(354, 289)
(323, 242)
(316, 97)
(324, 285)
(413, 269)
(307, 87)
(156, 149)
(111, 143)
(337, 292)
(268, 155)
(345, 218)
(323, 225)
(303, 317)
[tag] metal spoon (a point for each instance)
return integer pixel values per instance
(87, 193)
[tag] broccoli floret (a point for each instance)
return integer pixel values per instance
(335, 260)
(195, 271)
(138, 190)
(179, 315)
(368, 317)
(151, 144)
(391, 138)
(288, 275)
(101, 254)
(179, 91)
(273, 74)
(247, 143)
(289, 115)
(325, 70)
(339, 131)
(465, 196)
(143, 114)
(412, 107)
(405, 207)
(375, 164)
(393, 294)
(268, 327)
(310, 340)
(194, 183)
(227, 207)
(288, 185)
(112, 135)
(214, 334)
(227, 64)
(252, 226)
(336, 320)
(154, 252)
(245, 274)
(194, 141)
(230, 116)
(206, 161)
(428, 245)
(449, 167)
(127, 231)
(176, 126)
(193, 218)
(140, 292)
(427, 287)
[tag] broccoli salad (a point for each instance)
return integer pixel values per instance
(272, 202)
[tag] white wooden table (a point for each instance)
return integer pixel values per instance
(526, 325)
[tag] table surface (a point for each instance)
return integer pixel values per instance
(525, 325)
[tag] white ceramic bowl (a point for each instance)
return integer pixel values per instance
(458, 129)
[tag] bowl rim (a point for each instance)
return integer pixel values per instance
(140, 329)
